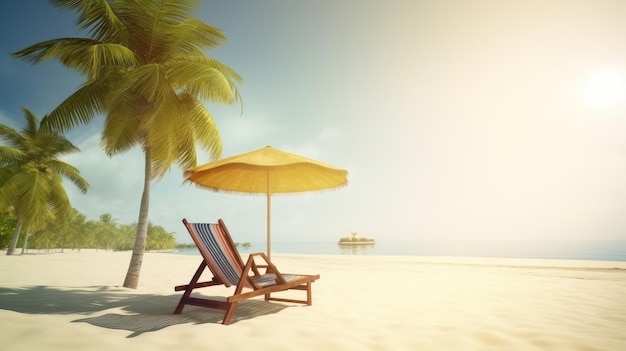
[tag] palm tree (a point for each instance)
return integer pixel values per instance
(146, 72)
(107, 231)
(31, 175)
(159, 238)
(77, 233)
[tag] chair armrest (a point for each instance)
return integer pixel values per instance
(271, 268)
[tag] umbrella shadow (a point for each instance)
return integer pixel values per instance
(143, 312)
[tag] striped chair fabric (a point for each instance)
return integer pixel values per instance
(226, 264)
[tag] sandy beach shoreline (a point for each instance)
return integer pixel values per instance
(74, 300)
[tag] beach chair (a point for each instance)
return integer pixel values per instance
(220, 255)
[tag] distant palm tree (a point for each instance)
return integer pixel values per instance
(146, 71)
(159, 238)
(31, 175)
(77, 230)
(107, 231)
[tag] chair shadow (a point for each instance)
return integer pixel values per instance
(145, 312)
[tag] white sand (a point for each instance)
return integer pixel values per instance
(73, 301)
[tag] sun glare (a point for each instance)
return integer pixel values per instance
(605, 89)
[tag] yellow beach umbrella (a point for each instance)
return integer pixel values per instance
(267, 170)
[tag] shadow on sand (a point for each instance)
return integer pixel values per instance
(143, 312)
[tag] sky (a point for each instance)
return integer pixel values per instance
(456, 120)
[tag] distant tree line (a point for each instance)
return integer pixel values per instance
(80, 233)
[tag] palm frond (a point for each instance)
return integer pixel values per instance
(86, 56)
(71, 173)
(32, 123)
(121, 128)
(6, 194)
(205, 130)
(11, 136)
(225, 69)
(106, 55)
(60, 146)
(98, 18)
(59, 205)
(163, 130)
(192, 36)
(8, 185)
(204, 81)
(10, 156)
(185, 142)
(206, 78)
(146, 20)
(146, 81)
(30, 190)
(74, 53)
(79, 108)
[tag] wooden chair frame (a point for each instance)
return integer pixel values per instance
(248, 280)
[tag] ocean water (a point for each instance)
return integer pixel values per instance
(597, 250)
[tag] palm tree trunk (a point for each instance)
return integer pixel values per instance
(134, 268)
(25, 246)
(16, 235)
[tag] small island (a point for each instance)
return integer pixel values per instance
(356, 241)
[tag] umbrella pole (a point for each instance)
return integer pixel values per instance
(268, 213)
(268, 225)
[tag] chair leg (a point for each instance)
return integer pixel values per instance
(189, 289)
(309, 298)
(229, 313)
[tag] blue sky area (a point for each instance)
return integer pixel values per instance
(455, 119)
